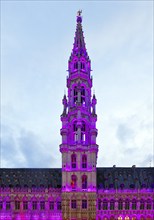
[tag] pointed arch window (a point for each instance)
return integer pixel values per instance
(120, 204)
(73, 204)
(83, 132)
(148, 204)
(73, 161)
(84, 204)
(142, 204)
(105, 205)
(134, 204)
(76, 65)
(25, 205)
(99, 204)
(82, 66)
(84, 161)
(112, 204)
(8, 205)
(34, 205)
(75, 134)
(73, 181)
(1, 205)
(83, 95)
(17, 205)
(84, 182)
(127, 204)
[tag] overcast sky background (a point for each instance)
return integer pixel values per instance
(36, 42)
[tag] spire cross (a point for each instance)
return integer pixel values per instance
(79, 13)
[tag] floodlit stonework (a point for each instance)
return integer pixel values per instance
(79, 190)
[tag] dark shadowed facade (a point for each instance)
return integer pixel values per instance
(79, 190)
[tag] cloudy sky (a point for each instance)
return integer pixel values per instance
(36, 42)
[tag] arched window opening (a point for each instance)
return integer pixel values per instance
(83, 132)
(105, 205)
(120, 204)
(73, 160)
(17, 205)
(34, 205)
(142, 218)
(142, 204)
(134, 204)
(148, 204)
(84, 161)
(75, 134)
(73, 181)
(83, 95)
(75, 65)
(51, 205)
(84, 182)
(82, 65)
(75, 93)
(8, 205)
(112, 204)
(73, 204)
(127, 218)
(42, 205)
(127, 204)
(25, 205)
(84, 204)
(99, 204)
(58, 205)
(1, 205)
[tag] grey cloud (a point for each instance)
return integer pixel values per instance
(147, 161)
(24, 150)
(124, 133)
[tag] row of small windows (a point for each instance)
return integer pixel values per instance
(105, 205)
(74, 204)
(74, 161)
(74, 182)
(34, 205)
(76, 65)
(41, 205)
(125, 218)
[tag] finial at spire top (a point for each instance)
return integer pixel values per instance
(79, 18)
(79, 13)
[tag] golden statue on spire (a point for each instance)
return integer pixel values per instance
(79, 13)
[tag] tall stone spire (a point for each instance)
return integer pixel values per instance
(79, 46)
(79, 132)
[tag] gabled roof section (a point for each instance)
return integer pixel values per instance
(31, 177)
(125, 178)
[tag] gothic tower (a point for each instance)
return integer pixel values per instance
(79, 148)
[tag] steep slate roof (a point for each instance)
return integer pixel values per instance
(125, 178)
(31, 177)
(107, 178)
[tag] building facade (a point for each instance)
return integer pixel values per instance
(79, 190)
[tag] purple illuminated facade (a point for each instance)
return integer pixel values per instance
(79, 190)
